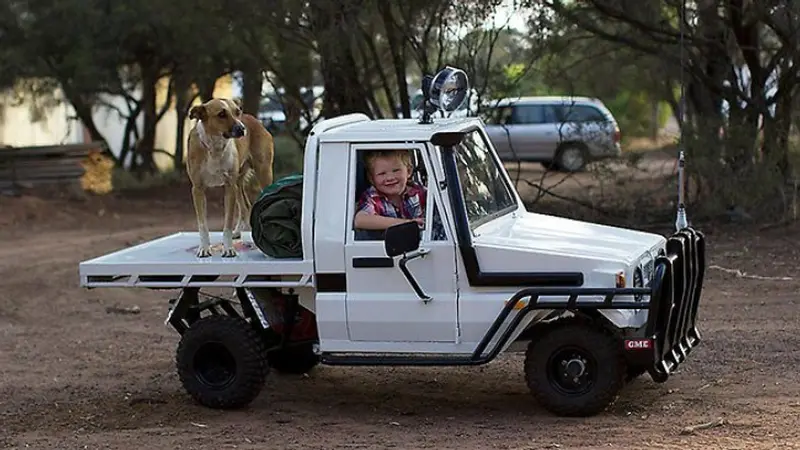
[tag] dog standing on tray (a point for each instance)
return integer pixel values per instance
(226, 148)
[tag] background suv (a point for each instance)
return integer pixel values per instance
(563, 133)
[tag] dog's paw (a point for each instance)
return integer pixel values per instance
(203, 252)
(229, 253)
(236, 234)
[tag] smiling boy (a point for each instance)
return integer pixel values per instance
(393, 197)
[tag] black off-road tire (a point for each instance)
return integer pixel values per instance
(604, 364)
(297, 360)
(222, 362)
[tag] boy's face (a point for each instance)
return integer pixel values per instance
(389, 175)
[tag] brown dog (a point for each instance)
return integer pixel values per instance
(226, 148)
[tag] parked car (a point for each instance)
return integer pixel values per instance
(563, 133)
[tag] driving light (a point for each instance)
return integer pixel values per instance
(445, 91)
(449, 89)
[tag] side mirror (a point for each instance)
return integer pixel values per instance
(401, 238)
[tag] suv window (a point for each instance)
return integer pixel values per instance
(581, 113)
(521, 115)
(496, 115)
(534, 114)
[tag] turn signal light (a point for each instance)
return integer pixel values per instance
(621, 280)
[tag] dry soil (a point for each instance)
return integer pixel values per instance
(73, 375)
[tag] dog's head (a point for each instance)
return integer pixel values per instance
(220, 116)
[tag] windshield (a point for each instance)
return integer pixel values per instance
(486, 195)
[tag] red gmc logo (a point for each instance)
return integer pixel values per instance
(638, 344)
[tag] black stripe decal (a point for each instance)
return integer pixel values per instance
(373, 262)
(331, 282)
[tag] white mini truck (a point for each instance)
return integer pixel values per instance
(592, 306)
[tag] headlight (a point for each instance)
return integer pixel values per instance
(638, 281)
(646, 266)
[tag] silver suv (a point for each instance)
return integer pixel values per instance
(563, 133)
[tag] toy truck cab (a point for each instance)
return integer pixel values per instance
(591, 305)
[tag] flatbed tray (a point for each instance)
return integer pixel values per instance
(170, 262)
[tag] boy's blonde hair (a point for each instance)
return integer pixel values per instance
(372, 155)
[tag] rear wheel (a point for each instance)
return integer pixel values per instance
(575, 370)
(571, 158)
(222, 362)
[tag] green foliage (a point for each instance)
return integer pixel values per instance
(288, 156)
(634, 111)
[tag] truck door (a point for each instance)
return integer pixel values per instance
(381, 303)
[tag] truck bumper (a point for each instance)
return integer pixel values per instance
(671, 331)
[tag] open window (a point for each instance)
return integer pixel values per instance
(424, 204)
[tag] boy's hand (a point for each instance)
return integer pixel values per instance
(420, 221)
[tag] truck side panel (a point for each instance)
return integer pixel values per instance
(329, 231)
(331, 195)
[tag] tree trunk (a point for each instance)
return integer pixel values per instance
(206, 87)
(251, 88)
(655, 111)
(295, 67)
(332, 25)
(83, 110)
(183, 101)
(398, 52)
(130, 130)
(146, 145)
(776, 136)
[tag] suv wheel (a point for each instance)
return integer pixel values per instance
(571, 158)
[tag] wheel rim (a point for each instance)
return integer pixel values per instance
(214, 365)
(572, 158)
(571, 371)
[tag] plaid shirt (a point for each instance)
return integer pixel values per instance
(413, 205)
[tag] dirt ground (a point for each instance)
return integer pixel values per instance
(73, 375)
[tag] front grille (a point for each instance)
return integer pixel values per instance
(638, 281)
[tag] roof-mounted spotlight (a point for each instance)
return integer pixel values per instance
(445, 91)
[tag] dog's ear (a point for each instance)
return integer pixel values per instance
(198, 112)
(237, 105)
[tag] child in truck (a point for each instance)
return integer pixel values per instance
(393, 196)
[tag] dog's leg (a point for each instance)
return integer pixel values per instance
(199, 200)
(243, 203)
(243, 212)
(227, 230)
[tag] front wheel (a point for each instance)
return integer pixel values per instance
(575, 370)
(222, 362)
